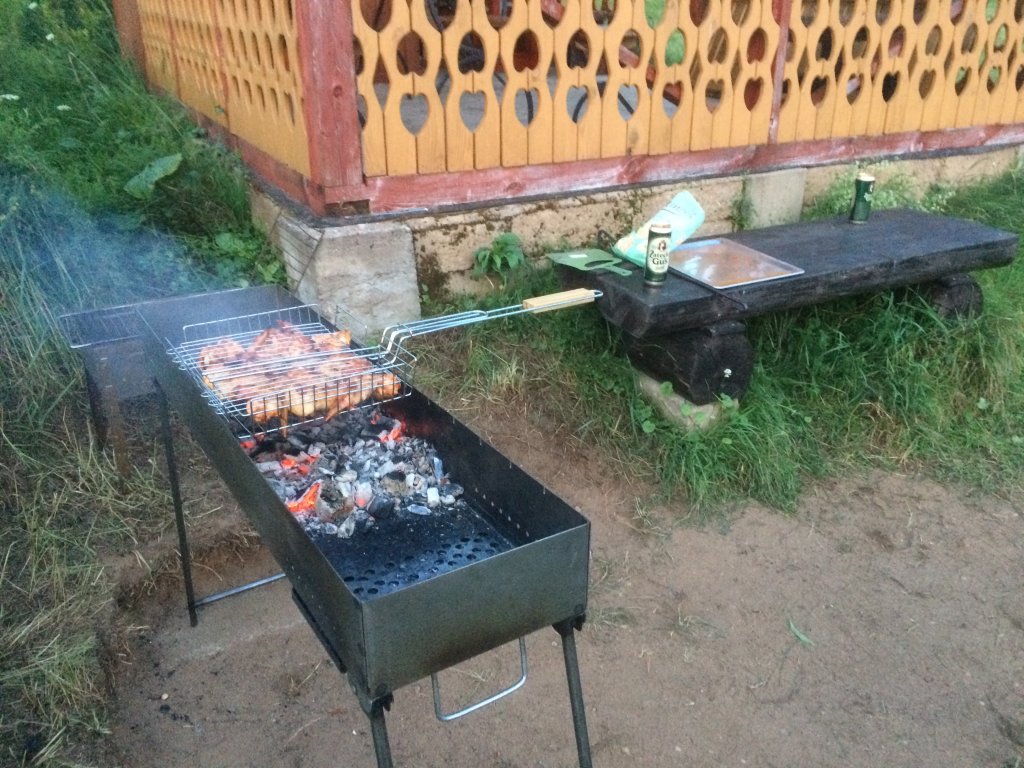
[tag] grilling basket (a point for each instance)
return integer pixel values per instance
(271, 370)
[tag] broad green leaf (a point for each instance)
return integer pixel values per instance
(229, 242)
(141, 185)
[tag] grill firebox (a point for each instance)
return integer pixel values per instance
(391, 611)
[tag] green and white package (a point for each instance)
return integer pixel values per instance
(683, 213)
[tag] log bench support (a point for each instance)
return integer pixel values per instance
(703, 364)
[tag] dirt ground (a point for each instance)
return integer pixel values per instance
(881, 625)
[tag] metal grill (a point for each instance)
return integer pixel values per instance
(284, 389)
(393, 555)
(266, 395)
(109, 325)
(396, 604)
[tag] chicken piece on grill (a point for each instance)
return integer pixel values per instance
(339, 341)
(280, 342)
(215, 360)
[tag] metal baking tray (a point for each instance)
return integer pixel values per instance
(723, 263)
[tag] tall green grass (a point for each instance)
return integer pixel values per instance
(62, 503)
(76, 117)
(76, 126)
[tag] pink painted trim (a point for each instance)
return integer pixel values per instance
(432, 190)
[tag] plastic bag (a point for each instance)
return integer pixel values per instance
(683, 213)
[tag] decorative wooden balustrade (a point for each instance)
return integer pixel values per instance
(391, 104)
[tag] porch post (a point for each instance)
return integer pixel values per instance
(327, 67)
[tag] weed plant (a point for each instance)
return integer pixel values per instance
(879, 381)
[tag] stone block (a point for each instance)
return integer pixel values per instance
(298, 243)
(263, 210)
(555, 225)
(367, 270)
(450, 247)
(675, 408)
(967, 169)
(774, 198)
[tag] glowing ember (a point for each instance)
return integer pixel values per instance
(396, 427)
(247, 445)
(354, 472)
(394, 435)
(299, 464)
(306, 503)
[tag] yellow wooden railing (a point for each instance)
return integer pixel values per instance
(236, 63)
(874, 67)
(456, 86)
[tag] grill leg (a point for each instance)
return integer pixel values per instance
(567, 629)
(106, 414)
(379, 729)
(179, 514)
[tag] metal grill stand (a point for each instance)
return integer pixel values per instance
(531, 569)
(373, 706)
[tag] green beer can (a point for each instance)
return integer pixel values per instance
(656, 264)
(863, 191)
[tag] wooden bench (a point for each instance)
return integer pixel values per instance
(695, 337)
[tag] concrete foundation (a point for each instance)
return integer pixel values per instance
(378, 270)
(362, 276)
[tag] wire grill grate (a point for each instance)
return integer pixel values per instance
(295, 383)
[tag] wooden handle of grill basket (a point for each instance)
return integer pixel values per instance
(560, 300)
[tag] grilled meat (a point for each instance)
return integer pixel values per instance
(284, 373)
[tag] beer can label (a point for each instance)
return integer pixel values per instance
(656, 266)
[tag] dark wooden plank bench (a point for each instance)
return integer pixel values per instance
(696, 338)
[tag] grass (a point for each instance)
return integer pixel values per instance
(64, 505)
(77, 118)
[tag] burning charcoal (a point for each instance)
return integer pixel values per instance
(347, 528)
(433, 497)
(268, 467)
(384, 469)
(297, 442)
(348, 476)
(323, 510)
(329, 433)
(414, 482)
(419, 509)
(344, 489)
(438, 468)
(381, 507)
(448, 500)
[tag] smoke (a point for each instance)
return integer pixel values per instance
(82, 261)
